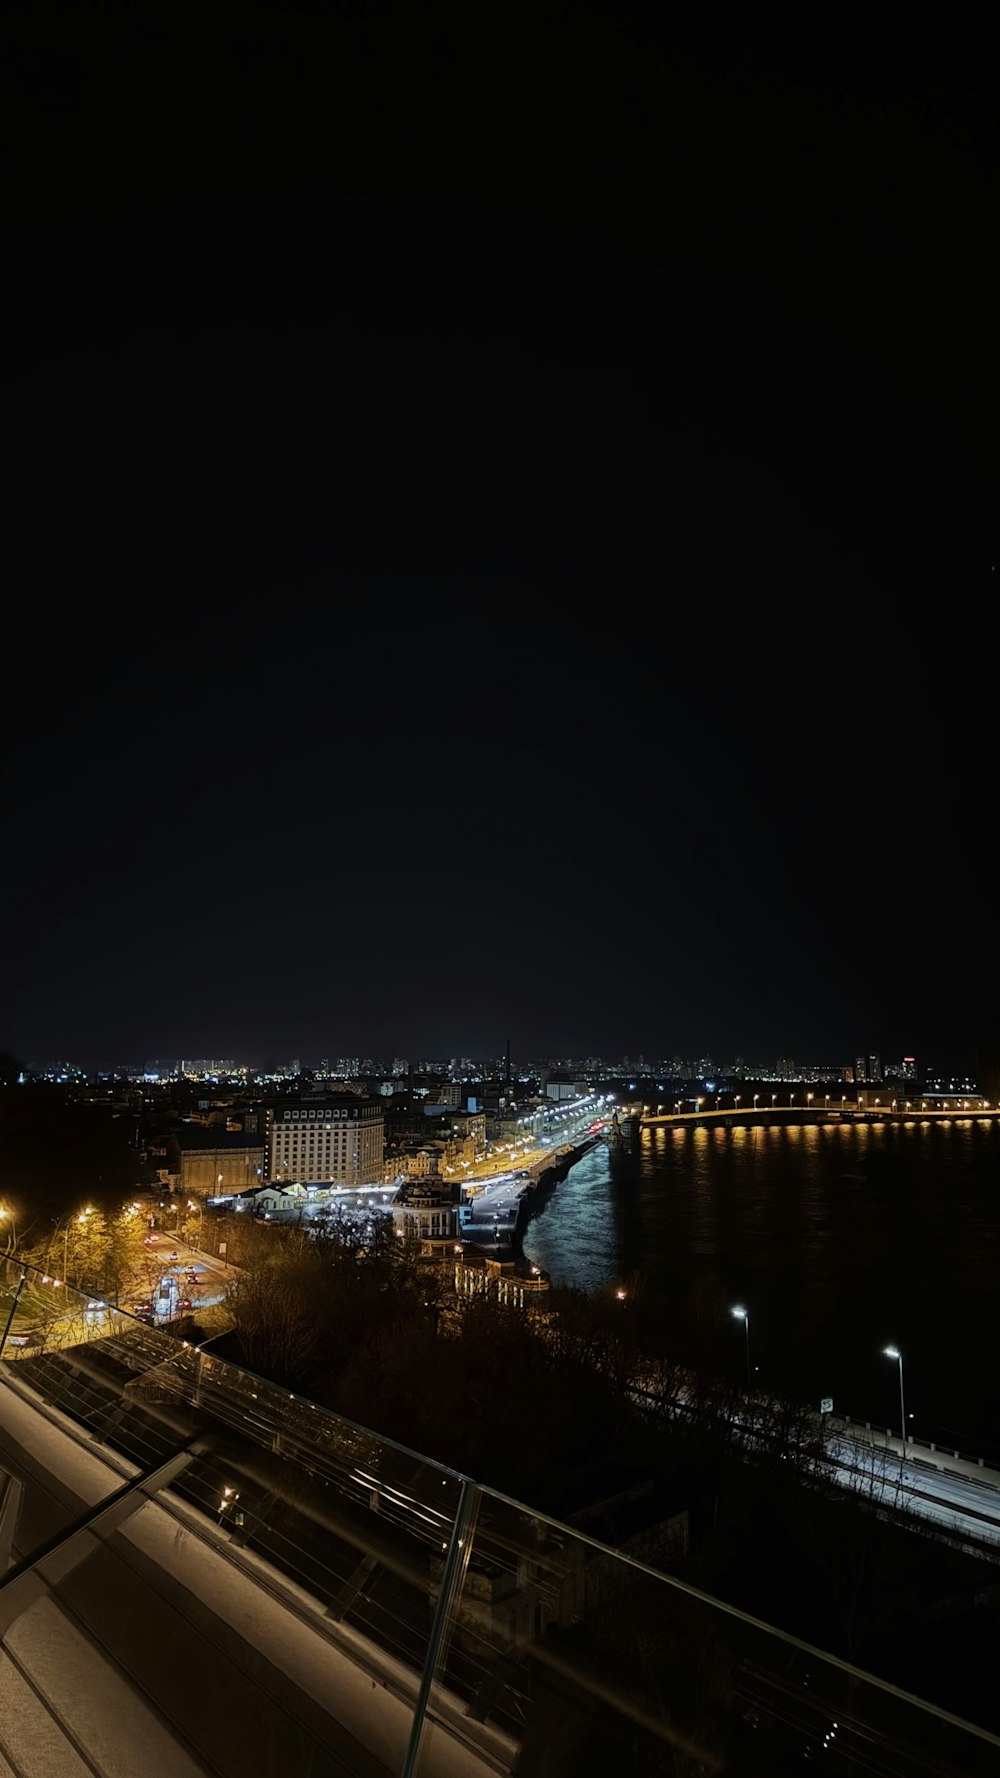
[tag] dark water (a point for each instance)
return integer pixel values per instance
(838, 1240)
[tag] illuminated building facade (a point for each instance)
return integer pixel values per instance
(336, 1138)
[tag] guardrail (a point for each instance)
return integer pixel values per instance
(866, 1431)
(477, 1622)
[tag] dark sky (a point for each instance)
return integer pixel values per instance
(501, 535)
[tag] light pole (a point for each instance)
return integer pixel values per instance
(894, 1352)
(742, 1315)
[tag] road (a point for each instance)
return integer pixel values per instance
(961, 1504)
(966, 1506)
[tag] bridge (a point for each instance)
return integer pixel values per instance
(828, 1109)
(203, 1575)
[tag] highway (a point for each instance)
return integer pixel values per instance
(961, 1504)
(872, 1466)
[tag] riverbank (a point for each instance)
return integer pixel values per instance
(495, 1216)
(546, 1174)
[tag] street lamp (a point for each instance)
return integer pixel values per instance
(742, 1315)
(894, 1352)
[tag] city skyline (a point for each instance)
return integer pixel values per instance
(860, 1069)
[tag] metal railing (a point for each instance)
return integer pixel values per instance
(385, 1611)
(867, 1432)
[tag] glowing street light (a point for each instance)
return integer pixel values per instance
(743, 1315)
(894, 1352)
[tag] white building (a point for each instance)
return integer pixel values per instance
(426, 1213)
(264, 1200)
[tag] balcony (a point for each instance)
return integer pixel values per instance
(205, 1575)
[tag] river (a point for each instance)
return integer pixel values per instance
(838, 1240)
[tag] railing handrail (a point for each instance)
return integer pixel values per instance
(848, 1422)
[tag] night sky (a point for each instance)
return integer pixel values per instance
(501, 535)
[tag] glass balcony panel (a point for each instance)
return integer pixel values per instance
(576, 1660)
(281, 1589)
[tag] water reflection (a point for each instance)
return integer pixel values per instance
(841, 1238)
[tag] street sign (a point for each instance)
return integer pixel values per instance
(222, 1247)
(826, 1405)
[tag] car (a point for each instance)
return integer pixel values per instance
(143, 1308)
(185, 1303)
(148, 1319)
(174, 1259)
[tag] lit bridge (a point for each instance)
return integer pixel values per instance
(825, 1109)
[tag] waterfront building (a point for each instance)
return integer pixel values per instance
(477, 1274)
(426, 1212)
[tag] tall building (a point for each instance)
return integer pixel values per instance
(328, 1138)
(868, 1069)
